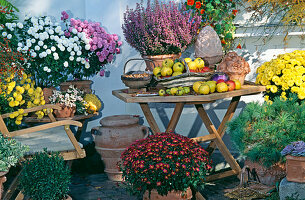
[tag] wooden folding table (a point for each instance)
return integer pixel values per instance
(215, 135)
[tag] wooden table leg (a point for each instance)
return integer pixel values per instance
(218, 140)
(150, 118)
(228, 116)
(175, 117)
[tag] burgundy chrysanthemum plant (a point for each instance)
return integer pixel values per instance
(165, 162)
(100, 45)
(160, 28)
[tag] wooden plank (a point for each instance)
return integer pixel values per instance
(221, 175)
(72, 155)
(47, 119)
(74, 141)
(228, 116)
(3, 128)
(20, 196)
(199, 102)
(245, 90)
(150, 118)
(175, 117)
(220, 144)
(36, 108)
(204, 138)
(44, 127)
(199, 196)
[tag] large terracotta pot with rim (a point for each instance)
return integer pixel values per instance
(158, 59)
(268, 176)
(174, 195)
(111, 139)
(82, 85)
(295, 169)
(2, 180)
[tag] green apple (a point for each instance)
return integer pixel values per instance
(186, 90)
(168, 63)
(179, 92)
(157, 71)
(212, 85)
(161, 92)
(178, 67)
(166, 71)
(168, 91)
(176, 73)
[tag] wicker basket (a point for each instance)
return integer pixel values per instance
(136, 83)
(185, 80)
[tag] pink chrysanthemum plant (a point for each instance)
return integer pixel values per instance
(98, 47)
(160, 28)
(166, 162)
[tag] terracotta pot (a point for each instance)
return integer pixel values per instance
(240, 77)
(65, 112)
(295, 169)
(268, 176)
(82, 85)
(116, 133)
(158, 59)
(47, 92)
(170, 196)
(2, 180)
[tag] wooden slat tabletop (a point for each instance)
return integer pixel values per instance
(47, 119)
(247, 89)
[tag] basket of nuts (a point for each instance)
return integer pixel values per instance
(136, 79)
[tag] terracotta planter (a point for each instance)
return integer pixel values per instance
(295, 169)
(47, 92)
(170, 196)
(82, 85)
(65, 112)
(116, 133)
(158, 59)
(2, 180)
(268, 176)
(240, 77)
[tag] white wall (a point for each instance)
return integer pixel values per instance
(110, 14)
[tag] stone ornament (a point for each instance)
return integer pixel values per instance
(236, 67)
(208, 46)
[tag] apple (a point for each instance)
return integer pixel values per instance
(187, 60)
(231, 85)
(176, 73)
(166, 71)
(220, 81)
(178, 67)
(168, 63)
(199, 62)
(192, 66)
(206, 69)
(237, 84)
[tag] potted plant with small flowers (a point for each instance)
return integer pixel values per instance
(295, 161)
(160, 31)
(164, 166)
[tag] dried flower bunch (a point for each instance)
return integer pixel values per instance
(160, 28)
(294, 149)
(165, 162)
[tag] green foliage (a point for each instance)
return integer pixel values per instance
(10, 152)
(8, 11)
(260, 132)
(45, 177)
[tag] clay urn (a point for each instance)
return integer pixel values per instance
(114, 135)
(2, 180)
(236, 67)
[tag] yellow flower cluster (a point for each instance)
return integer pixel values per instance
(21, 93)
(284, 75)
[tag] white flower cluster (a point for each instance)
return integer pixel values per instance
(45, 39)
(67, 98)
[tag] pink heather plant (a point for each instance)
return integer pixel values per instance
(99, 47)
(160, 28)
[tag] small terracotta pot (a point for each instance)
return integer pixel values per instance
(170, 196)
(65, 112)
(158, 59)
(268, 176)
(82, 85)
(236, 76)
(295, 169)
(47, 92)
(2, 180)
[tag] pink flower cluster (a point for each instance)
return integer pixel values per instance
(105, 45)
(163, 159)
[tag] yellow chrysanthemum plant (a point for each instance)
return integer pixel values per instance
(16, 94)
(283, 76)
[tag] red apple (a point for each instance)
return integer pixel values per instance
(220, 81)
(231, 85)
(206, 69)
(193, 70)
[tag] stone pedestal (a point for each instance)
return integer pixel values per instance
(291, 189)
